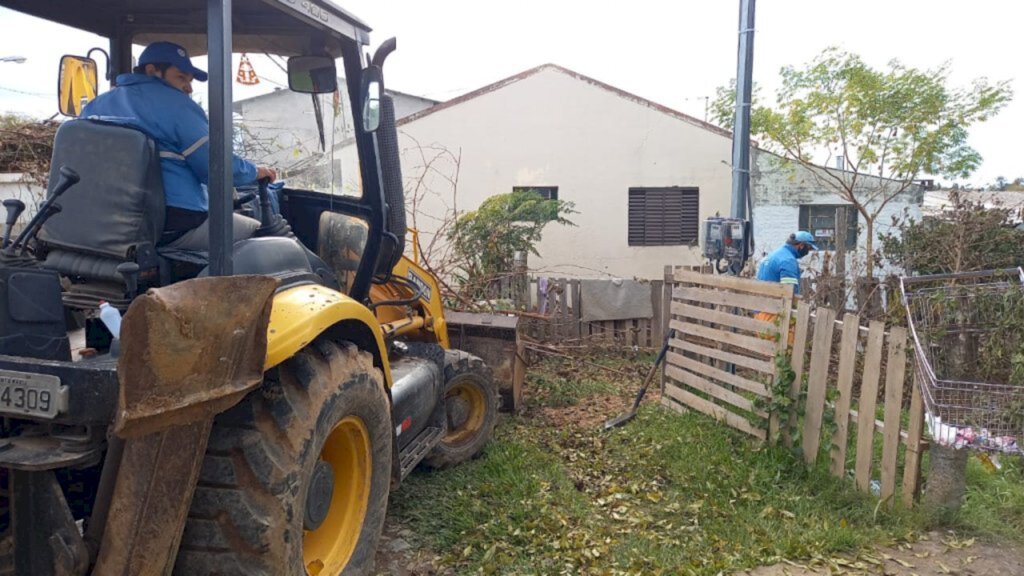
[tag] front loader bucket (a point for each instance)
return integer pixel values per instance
(189, 351)
(495, 339)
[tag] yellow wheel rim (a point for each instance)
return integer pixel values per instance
(467, 409)
(328, 549)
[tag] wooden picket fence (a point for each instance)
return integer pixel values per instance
(832, 398)
(562, 318)
(723, 362)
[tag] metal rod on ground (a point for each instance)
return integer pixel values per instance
(622, 419)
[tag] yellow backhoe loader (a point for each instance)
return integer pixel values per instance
(259, 400)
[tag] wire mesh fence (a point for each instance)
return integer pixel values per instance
(968, 335)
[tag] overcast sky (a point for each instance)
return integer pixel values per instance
(672, 52)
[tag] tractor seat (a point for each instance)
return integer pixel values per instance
(115, 213)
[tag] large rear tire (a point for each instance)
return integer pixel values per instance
(323, 423)
(471, 399)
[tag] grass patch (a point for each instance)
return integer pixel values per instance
(667, 494)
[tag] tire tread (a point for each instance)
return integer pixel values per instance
(236, 521)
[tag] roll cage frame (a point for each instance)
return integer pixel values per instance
(286, 27)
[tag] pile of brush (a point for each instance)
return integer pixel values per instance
(26, 146)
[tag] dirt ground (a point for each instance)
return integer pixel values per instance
(397, 556)
(594, 411)
(936, 554)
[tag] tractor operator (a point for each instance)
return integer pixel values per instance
(155, 99)
(782, 265)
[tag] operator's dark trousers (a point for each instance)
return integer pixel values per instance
(198, 238)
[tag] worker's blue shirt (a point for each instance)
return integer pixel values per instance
(781, 266)
(180, 129)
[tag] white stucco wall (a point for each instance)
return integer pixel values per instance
(779, 189)
(16, 185)
(555, 128)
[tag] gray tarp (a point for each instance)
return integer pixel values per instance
(615, 299)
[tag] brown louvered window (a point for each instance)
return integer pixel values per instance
(663, 216)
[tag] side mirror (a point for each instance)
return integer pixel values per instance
(312, 74)
(373, 86)
(77, 85)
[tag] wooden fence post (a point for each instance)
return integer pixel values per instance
(563, 320)
(847, 364)
(577, 310)
(817, 382)
(522, 284)
(803, 317)
(657, 320)
(866, 407)
(666, 300)
(894, 375)
(912, 462)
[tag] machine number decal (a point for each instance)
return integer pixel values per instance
(421, 285)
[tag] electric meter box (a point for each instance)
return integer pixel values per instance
(726, 239)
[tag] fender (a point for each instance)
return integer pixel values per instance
(302, 313)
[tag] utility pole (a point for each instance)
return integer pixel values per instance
(732, 239)
(741, 121)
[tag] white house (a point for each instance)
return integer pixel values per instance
(642, 177)
(789, 197)
(21, 187)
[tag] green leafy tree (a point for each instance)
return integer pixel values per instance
(896, 123)
(487, 239)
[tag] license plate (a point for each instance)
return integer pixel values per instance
(36, 395)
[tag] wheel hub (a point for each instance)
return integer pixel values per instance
(318, 498)
(458, 411)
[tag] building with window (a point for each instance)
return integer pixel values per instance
(789, 197)
(642, 177)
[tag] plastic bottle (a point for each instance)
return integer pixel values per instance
(111, 318)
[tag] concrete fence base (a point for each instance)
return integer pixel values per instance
(947, 478)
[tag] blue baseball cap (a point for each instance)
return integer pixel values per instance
(806, 238)
(171, 53)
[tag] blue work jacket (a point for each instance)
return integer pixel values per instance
(781, 266)
(181, 131)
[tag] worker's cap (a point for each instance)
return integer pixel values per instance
(806, 238)
(171, 53)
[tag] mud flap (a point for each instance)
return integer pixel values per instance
(189, 351)
(495, 339)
